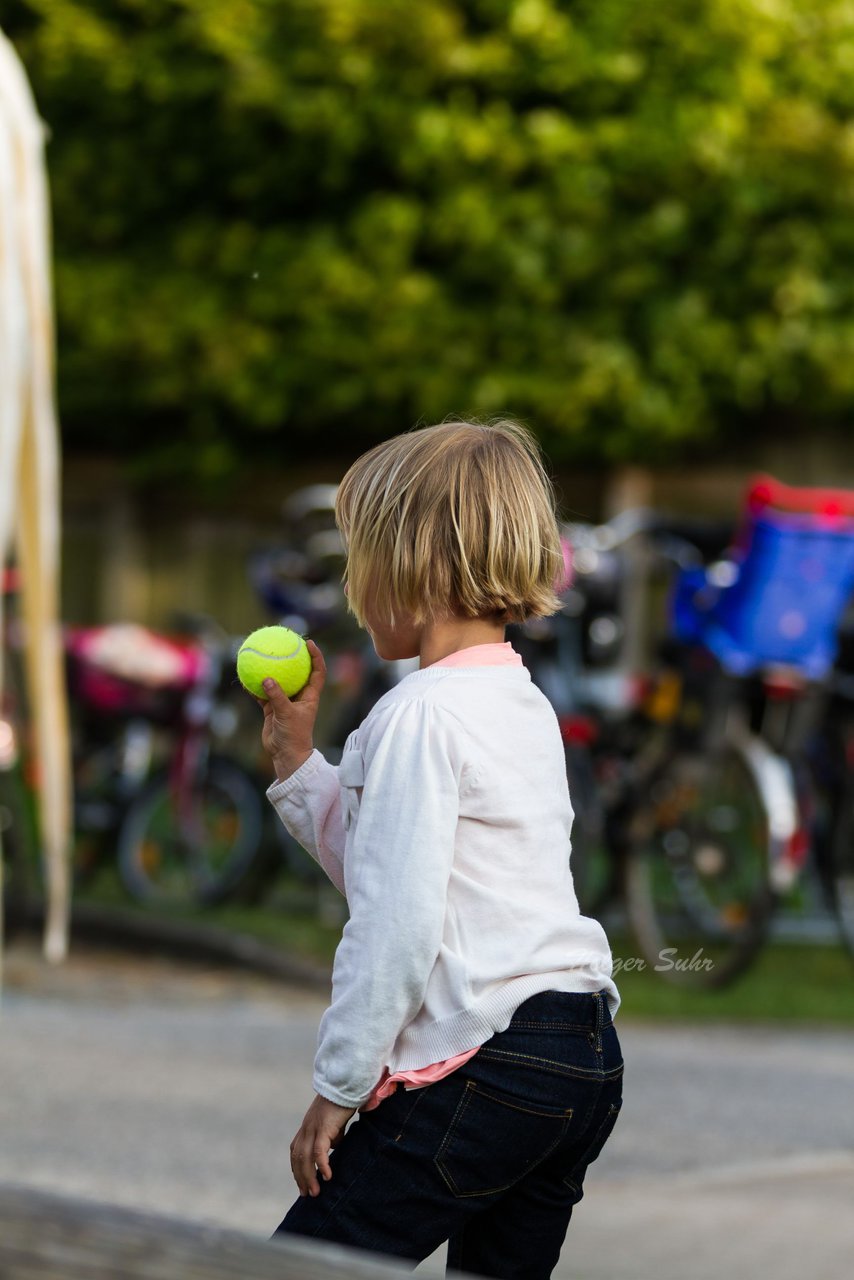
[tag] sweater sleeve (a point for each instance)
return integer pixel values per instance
(397, 871)
(309, 804)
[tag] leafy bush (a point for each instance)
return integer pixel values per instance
(306, 220)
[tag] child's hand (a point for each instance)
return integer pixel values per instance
(289, 722)
(321, 1131)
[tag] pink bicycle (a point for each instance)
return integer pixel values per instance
(152, 715)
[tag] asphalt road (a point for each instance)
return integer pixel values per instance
(176, 1090)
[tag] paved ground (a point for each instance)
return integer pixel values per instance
(178, 1090)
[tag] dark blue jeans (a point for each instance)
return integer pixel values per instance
(492, 1158)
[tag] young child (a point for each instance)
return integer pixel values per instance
(470, 1022)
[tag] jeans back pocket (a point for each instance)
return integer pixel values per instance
(494, 1139)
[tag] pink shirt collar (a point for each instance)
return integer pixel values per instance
(482, 655)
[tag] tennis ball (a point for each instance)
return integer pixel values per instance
(276, 652)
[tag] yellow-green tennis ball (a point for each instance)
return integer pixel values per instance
(277, 652)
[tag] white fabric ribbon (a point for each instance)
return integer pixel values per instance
(351, 778)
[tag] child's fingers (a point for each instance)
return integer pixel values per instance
(305, 1173)
(317, 679)
(306, 1180)
(322, 1129)
(318, 662)
(302, 1167)
(321, 1158)
(278, 702)
(266, 705)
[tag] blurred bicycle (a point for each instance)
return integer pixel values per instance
(753, 782)
(152, 717)
(644, 768)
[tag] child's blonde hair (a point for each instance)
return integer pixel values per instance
(453, 519)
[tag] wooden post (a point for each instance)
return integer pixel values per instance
(50, 1237)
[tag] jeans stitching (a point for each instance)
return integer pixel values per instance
(544, 1064)
(334, 1208)
(549, 1025)
(600, 1018)
(553, 1113)
(419, 1095)
(605, 1127)
(461, 1106)
(470, 1091)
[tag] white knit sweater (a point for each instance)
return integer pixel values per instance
(447, 826)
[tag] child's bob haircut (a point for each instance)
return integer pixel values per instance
(456, 519)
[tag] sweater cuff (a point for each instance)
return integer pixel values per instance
(281, 790)
(341, 1100)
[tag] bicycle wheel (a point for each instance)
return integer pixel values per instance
(20, 871)
(842, 873)
(98, 806)
(697, 878)
(590, 860)
(196, 849)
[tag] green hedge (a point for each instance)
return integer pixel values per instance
(280, 222)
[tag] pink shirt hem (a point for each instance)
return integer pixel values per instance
(416, 1079)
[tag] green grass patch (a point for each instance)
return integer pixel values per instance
(297, 930)
(789, 982)
(295, 918)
